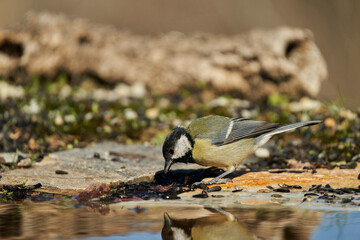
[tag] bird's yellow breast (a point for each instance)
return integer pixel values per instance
(206, 154)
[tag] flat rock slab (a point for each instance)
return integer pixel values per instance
(337, 178)
(105, 162)
(111, 162)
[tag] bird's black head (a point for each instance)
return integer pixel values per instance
(177, 147)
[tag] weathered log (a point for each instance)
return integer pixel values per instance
(254, 65)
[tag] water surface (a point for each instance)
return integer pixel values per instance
(66, 219)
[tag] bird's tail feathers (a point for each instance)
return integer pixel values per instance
(265, 137)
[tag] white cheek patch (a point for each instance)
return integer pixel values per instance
(182, 147)
(178, 233)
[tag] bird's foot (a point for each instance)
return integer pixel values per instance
(222, 181)
(214, 181)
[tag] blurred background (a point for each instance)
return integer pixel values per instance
(335, 24)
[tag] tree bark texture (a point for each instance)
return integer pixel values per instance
(253, 65)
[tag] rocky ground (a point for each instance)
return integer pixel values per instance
(69, 131)
(56, 134)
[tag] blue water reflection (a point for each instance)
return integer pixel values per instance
(338, 226)
(131, 236)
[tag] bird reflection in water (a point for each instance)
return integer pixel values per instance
(242, 224)
(220, 225)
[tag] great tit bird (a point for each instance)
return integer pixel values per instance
(219, 141)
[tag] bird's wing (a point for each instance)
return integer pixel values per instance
(240, 128)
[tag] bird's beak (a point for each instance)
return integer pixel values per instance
(167, 166)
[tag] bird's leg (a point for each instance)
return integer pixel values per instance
(216, 180)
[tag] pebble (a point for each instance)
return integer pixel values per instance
(345, 200)
(264, 191)
(350, 166)
(61, 172)
(330, 122)
(10, 158)
(238, 189)
(281, 190)
(10, 91)
(25, 163)
(214, 189)
(276, 195)
(217, 196)
(310, 194)
(130, 114)
(170, 197)
(305, 104)
(152, 113)
(201, 186)
(201, 195)
(262, 153)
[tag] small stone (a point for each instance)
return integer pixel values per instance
(15, 134)
(262, 153)
(152, 113)
(33, 144)
(201, 195)
(170, 197)
(282, 190)
(25, 163)
(350, 166)
(61, 172)
(59, 120)
(201, 186)
(359, 176)
(130, 114)
(348, 114)
(345, 200)
(264, 190)
(276, 195)
(311, 194)
(96, 155)
(217, 196)
(214, 189)
(330, 122)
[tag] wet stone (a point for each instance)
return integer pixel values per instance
(61, 172)
(338, 191)
(201, 195)
(201, 186)
(315, 187)
(170, 197)
(214, 189)
(96, 155)
(358, 177)
(217, 196)
(346, 200)
(264, 190)
(310, 194)
(284, 190)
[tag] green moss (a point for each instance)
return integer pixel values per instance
(278, 100)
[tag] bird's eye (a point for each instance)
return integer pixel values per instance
(171, 151)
